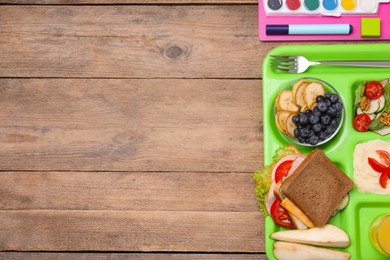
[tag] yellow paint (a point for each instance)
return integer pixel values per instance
(348, 5)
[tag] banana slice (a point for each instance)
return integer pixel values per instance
(285, 102)
(281, 120)
(298, 92)
(290, 126)
(313, 90)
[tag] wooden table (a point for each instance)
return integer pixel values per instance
(130, 129)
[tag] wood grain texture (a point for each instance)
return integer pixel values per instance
(142, 191)
(36, 230)
(133, 256)
(130, 125)
(116, 2)
(130, 41)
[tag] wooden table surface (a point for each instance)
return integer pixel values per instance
(130, 129)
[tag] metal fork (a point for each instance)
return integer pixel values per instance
(299, 64)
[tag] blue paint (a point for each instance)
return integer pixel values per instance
(330, 4)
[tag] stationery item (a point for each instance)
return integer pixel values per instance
(370, 27)
(299, 64)
(380, 33)
(284, 29)
(322, 7)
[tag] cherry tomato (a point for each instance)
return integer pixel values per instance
(280, 215)
(361, 122)
(385, 157)
(282, 170)
(373, 89)
(376, 165)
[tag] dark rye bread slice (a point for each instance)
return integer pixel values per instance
(317, 187)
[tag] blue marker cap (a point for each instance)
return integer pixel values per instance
(273, 29)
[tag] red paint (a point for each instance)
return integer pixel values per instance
(293, 4)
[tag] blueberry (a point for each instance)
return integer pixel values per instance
(317, 128)
(334, 123)
(305, 132)
(322, 136)
(295, 119)
(314, 139)
(334, 98)
(322, 107)
(338, 106)
(325, 119)
(330, 130)
(319, 98)
(316, 111)
(332, 112)
(314, 119)
(296, 132)
(301, 139)
(327, 101)
(303, 119)
(328, 95)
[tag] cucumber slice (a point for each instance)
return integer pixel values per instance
(374, 106)
(359, 111)
(382, 102)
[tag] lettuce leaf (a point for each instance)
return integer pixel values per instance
(263, 183)
(386, 95)
(263, 176)
(359, 94)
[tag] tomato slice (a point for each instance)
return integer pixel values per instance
(373, 89)
(280, 215)
(385, 157)
(282, 170)
(384, 177)
(361, 122)
(377, 166)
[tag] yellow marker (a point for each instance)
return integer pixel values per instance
(348, 5)
(379, 234)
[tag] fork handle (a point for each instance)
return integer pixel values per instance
(357, 63)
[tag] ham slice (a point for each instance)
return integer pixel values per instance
(297, 158)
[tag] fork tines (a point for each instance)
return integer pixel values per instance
(283, 63)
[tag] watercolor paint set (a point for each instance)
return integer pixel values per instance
(322, 7)
(324, 20)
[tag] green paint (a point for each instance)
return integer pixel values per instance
(312, 5)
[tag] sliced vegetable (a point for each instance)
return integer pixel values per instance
(282, 170)
(361, 122)
(385, 157)
(376, 165)
(373, 89)
(383, 178)
(280, 215)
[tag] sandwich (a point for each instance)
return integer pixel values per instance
(304, 191)
(316, 188)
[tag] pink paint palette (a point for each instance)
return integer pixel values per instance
(323, 12)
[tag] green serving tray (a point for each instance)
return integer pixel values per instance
(362, 208)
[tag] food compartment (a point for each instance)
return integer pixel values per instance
(367, 209)
(308, 111)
